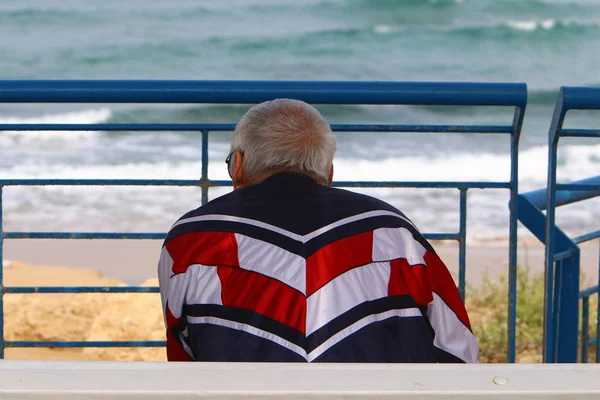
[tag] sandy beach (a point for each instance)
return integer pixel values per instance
(138, 316)
(134, 261)
(57, 317)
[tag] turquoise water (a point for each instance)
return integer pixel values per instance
(544, 43)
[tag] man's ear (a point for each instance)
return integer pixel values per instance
(330, 176)
(238, 175)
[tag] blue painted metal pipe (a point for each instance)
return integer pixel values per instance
(580, 98)
(462, 243)
(84, 235)
(587, 237)
(82, 289)
(585, 133)
(2, 342)
(223, 183)
(589, 291)
(539, 197)
(230, 127)
(393, 93)
(235, 92)
(68, 344)
(148, 236)
(513, 205)
(585, 329)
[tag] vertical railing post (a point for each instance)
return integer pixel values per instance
(557, 279)
(598, 316)
(1, 280)
(512, 235)
(585, 328)
(204, 178)
(567, 330)
(462, 253)
(561, 315)
(549, 324)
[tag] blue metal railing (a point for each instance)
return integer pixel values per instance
(563, 321)
(562, 254)
(239, 92)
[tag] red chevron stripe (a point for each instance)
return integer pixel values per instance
(412, 280)
(443, 284)
(206, 248)
(336, 258)
(175, 351)
(267, 296)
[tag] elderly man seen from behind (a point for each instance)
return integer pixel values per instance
(287, 269)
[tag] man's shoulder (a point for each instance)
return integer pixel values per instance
(346, 202)
(294, 217)
(359, 202)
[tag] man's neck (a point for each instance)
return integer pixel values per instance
(266, 175)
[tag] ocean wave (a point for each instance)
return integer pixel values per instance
(93, 116)
(529, 26)
(515, 28)
(45, 15)
(542, 29)
(576, 162)
(151, 208)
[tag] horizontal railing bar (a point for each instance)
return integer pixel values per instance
(246, 92)
(565, 196)
(227, 183)
(589, 291)
(579, 187)
(587, 237)
(230, 127)
(103, 182)
(119, 127)
(421, 185)
(579, 132)
(593, 342)
(580, 98)
(141, 235)
(84, 235)
(563, 255)
(81, 289)
(442, 236)
(79, 344)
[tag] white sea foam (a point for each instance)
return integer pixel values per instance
(152, 208)
(383, 29)
(532, 25)
(577, 162)
(93, 116)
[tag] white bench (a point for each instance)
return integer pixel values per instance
(119, 380)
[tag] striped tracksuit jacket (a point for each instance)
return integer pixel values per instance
(292, 271)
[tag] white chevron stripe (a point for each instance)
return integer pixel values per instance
(369, 282)
(200, 284)
(272, 261)
(358, 325)
(165, 270)
(291, 235)
(451, 334)
(249, 329)
(394, 243)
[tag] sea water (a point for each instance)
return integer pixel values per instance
(545, 43)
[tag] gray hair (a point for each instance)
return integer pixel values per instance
(285, 134)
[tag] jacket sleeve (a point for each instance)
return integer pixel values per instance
(172, 296)
(454, 338)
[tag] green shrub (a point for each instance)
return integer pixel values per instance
(488, 310)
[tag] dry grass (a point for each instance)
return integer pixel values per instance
(488, 309)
